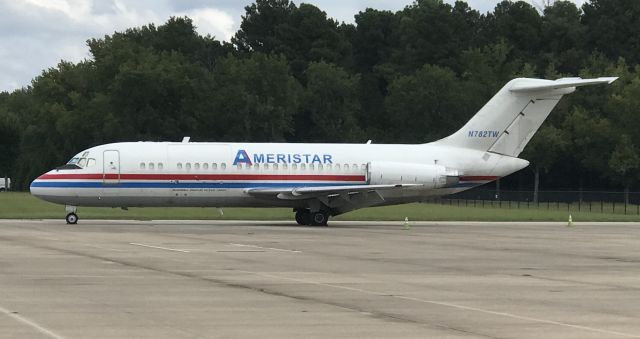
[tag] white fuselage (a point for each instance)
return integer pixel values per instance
(221, 174)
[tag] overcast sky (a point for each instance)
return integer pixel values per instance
(37, 34)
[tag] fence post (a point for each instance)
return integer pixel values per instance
(614, 207)
(601, 206)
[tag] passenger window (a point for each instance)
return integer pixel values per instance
(312, 167)
(266, 166)
(320, 167)
(275, 167)
(205, 166)
(160, 166)
(337, 167)
(188, 166)
(284, 166)
(257, 166)
(91, 162)
(355, 167)
(151, 166)
(294, 167)
(239, 166)
(196, 166)
(223, 165)
(303, 166)
(179, 165)
(346, 167)
(142, 166)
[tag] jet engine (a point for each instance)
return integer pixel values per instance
(431, 176)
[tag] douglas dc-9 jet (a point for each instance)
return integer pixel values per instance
(316, 180)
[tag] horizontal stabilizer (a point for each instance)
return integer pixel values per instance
(545, 85)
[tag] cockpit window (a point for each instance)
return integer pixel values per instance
(82, 161)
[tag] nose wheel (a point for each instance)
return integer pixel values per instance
(72, 218)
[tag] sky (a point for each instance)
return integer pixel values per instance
(37, 34)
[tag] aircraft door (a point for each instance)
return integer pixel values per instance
(111, 167)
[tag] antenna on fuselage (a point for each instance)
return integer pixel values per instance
(186, 139)
(369, 142)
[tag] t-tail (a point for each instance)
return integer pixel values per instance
(510, 119)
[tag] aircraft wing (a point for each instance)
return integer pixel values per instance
(296, 193)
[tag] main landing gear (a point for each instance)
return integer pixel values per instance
(72, 217)
(308, 218)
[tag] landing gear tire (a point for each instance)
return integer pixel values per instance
(303, 217)
(72, 218)
(319, 218)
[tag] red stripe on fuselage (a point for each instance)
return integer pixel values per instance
(478, 178)
(99, 176)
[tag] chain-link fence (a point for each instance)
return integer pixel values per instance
(588, 201)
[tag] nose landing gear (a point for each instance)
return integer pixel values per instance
(72, 217)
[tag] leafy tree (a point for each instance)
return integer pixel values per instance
(329, 105)
(430, 31)
(425, 106)
(256, 99)
(624, 163)
(613, 28)
(548, 146)
(519, 23)
(562, 37)
(302, 34)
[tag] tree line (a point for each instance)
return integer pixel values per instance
(290, 73)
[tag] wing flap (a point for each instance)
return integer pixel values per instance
(309, 192)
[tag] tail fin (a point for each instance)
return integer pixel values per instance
(508, 121)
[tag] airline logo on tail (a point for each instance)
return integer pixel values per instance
(242, 157)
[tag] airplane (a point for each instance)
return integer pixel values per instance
(316, 180)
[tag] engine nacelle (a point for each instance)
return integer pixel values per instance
(431, 176)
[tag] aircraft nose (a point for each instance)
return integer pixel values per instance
(37, 188)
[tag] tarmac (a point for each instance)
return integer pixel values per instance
(248, 279)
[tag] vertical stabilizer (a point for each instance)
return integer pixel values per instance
(510, 119)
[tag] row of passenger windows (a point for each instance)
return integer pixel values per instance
(214, 166)
(151, 166)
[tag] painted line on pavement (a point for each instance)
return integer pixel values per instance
(159, 248)
(31, 323)
(265, 248)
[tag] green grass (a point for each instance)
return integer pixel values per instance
(16, 205)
